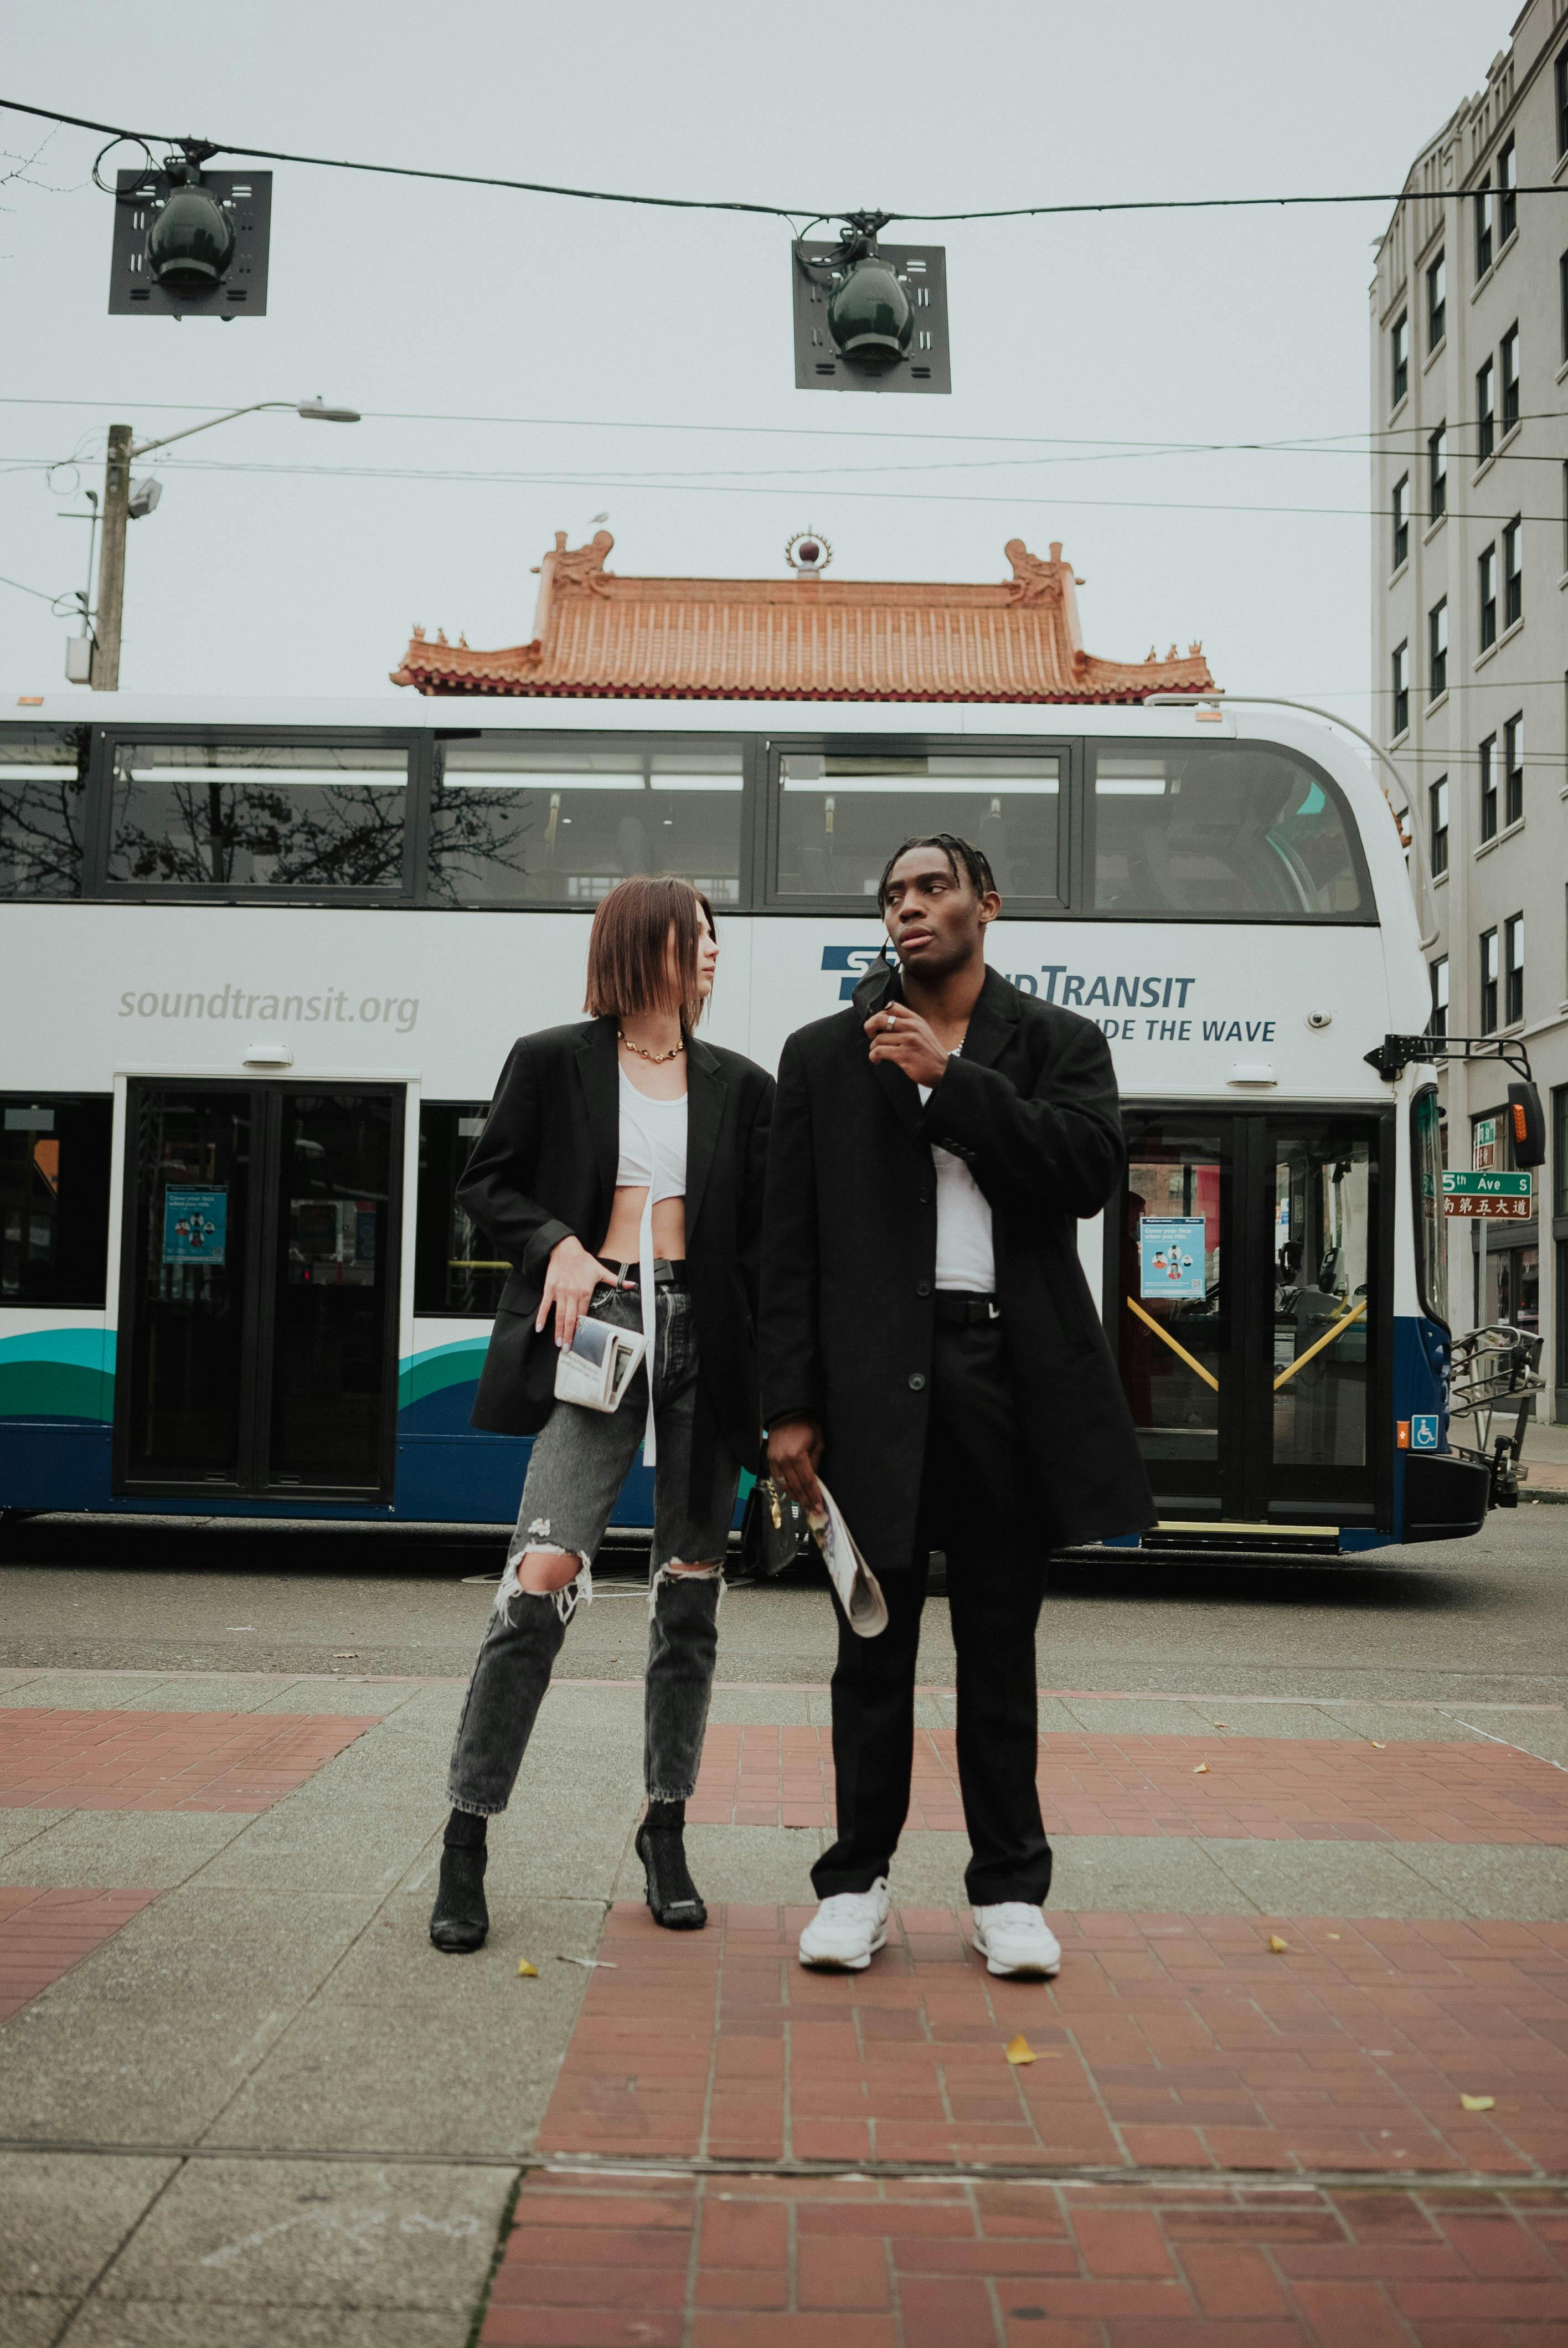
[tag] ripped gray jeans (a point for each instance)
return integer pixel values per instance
(578, 1463)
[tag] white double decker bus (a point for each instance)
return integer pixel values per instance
(266, 959)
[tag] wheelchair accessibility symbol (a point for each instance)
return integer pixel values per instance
(1424, 1431)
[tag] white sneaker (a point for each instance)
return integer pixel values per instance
(848, 1929)
(1014, 1938)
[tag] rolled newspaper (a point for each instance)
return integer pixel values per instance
(859, 1591)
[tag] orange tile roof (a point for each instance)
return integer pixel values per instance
(799, 638)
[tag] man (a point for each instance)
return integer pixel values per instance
(929, 1345)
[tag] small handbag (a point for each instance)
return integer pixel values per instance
(596, 1368)
(770, 1531)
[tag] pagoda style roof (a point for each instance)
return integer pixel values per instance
(801, 637)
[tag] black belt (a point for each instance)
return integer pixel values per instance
(955, 1310)
(668, 1272)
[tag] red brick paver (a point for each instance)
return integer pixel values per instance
(741, 2261)
(1168, 2041)
(44, 1933)
(57, 1760)
(1270, 1790)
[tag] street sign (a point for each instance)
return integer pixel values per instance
(1483, 1143)
(1506, 1197)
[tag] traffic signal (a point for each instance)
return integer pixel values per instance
(870, 317)
(190, 242)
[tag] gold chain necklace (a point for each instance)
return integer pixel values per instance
(657, 1058)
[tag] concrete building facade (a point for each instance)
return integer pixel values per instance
(1469, 601)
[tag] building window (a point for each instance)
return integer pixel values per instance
(1513, 770)
(1399, 356)
(1507, 192)
(1488, 981)
(1560, 1156)
(1561, 72)
(1438, 472)
(1565, 519)
(1514, 970)
(1401, 519)
(1485, 413)
(1513, 572)
(1486, 574)
(1488, 788)
(1401, 674)
(55, 1221)
(1483, 219)
(1438, 809)
(1437, 302)
(457, 1271)
(1438, 648)
(1562, 303)
(1437, 971)
(1510, 379)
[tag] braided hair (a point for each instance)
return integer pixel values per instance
(958, 852)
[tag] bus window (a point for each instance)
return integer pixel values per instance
(456, 1274)
(1431, 1232)
(259, 815)
(839, 818)
(512, 824)
(1228, 827)
(43, 785)
(54, 1198)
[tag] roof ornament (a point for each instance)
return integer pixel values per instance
(1034, 580)
(807, 552)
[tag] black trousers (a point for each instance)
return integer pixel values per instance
(972, 1506)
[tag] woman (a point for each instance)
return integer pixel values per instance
(630, 1134)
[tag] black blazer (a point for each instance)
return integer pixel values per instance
(544, 1170)
(849, 1254)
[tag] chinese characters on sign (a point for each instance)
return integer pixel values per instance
(1506, 1197)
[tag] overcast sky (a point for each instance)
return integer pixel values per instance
(514, 354)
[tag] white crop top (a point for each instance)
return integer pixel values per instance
(652, 1153)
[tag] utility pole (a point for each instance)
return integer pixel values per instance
(106, 621)
(111, 561)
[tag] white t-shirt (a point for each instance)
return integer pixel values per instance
(966, 1260)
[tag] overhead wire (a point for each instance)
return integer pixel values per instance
(811, 213)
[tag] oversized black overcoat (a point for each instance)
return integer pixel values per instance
(849, 1252)
(544, 1169)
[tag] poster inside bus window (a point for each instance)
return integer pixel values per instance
(1171, 1255)
(195, 1226)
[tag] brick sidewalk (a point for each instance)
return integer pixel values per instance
(57, 1760)
(1265, 1789)
(1169, 2040)
(760, 2262)
(44, 1933)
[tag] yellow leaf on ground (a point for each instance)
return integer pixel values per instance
(529, 1972)
(1277, 1946)
(1478, 2103)
(1376, 1746)
(1202, 1770)
(1018, 2050)
(1332, 1936)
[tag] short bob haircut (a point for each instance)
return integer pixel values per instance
(629, 949)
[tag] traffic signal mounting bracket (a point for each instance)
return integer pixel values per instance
(820, 365)
(242, 292)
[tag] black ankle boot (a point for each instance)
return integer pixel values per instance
(674, 1899)
(460, 1920)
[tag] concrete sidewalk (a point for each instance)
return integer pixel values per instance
(242, 2100)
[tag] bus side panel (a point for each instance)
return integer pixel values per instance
(56, 1406)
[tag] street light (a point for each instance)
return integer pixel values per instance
(127, 501)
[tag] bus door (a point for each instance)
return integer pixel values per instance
(1246, 1274)
(258, 1281)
